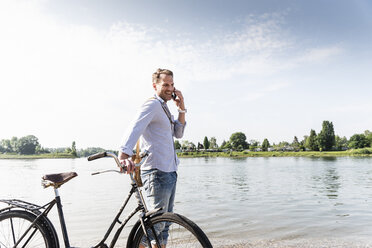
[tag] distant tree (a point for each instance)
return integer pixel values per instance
(368, 135)
(311, 142)
(185, 145)
(2, 149)
(5, 143)
(89, 151)
(358, 141)
(295, 143)
(265, 144)
(14, 144)
(341, 143)
(73, 149)
(282, 145)
(41, 150)
(326, 137)
(237, 139)
(303, 142)
(27, 144)
(192, 146)
(227, 145)
(177, 144)
(199, 146)
(253, 144)
(213, 143)
(223, 144)
(206, 143)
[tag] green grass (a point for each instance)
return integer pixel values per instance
(36, 156)
(365, 152)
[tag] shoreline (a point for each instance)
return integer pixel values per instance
(365, 152)
(234, 154)
(37, 156)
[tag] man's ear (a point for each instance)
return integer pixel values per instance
(154, 86)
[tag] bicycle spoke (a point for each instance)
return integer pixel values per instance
(11, 224)
(176, 236)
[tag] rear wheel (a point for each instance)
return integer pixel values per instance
(172, 230)
(14, 223)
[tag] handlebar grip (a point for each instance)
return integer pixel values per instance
(97, 155)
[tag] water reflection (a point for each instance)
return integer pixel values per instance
(331, 182)
(326, 177)
(329, 159)
(240, 179)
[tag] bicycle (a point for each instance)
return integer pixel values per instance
(24, 224)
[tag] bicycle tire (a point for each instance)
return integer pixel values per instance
(40, 236)
(183, 233)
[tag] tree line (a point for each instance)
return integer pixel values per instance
(29, 145)
(325, 140)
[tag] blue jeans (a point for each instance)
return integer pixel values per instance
(160, 189)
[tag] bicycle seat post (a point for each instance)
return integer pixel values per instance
(61, 218)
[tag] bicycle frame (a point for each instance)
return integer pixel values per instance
(141, 207)
(57, 201)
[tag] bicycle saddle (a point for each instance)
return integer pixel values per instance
(56, 180)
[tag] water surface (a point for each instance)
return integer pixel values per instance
(254, 202)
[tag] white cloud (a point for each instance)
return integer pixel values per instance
(259, 34)
(323, 54)
(63, 82)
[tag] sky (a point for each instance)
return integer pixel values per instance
(79, 70)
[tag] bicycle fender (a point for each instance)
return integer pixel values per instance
(5, 209)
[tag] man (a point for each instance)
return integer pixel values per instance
(156, 127)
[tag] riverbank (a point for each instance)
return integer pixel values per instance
(355, 153)
(36, 156)
(365, 152)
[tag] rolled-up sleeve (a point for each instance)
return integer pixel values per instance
(179, 129)
(135, 130)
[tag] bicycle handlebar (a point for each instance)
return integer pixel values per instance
(97, 155)
(144, 154)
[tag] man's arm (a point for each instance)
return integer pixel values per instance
(181, 121)
(134, 132)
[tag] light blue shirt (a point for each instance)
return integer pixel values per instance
(156, 132)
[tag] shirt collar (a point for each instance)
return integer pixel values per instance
(160, 99)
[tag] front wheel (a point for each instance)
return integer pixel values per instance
(15, 223)
(171, 230)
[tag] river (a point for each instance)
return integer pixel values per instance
(246, 202)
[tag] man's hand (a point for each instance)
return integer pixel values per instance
(181, 105)
(179, 100)
(127, 164)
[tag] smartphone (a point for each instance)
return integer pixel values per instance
(174, 95)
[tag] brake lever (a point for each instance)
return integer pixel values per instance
(143, 154)
(105, 171)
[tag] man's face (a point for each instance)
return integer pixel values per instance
(164, 87)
